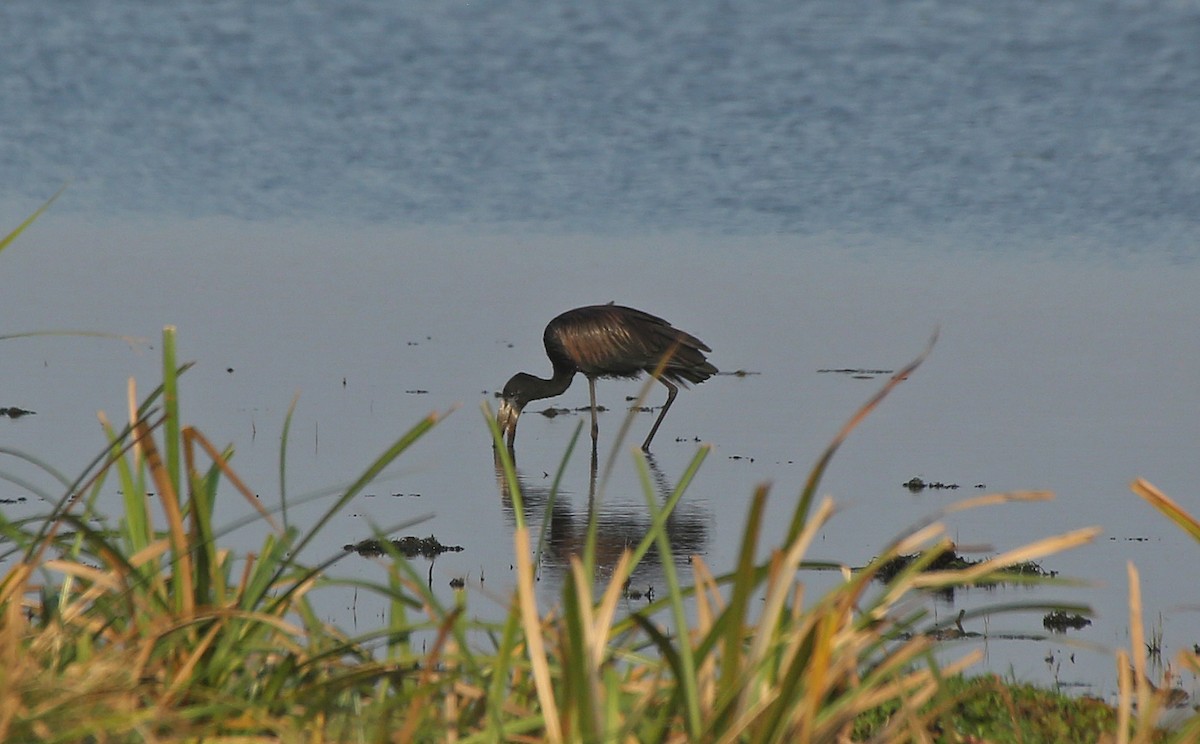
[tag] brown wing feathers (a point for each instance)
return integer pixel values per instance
(616, 341)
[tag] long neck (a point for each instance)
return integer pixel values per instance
(556, 385)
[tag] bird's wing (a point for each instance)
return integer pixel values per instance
(611, 340)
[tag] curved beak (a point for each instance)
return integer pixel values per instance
(506, 419)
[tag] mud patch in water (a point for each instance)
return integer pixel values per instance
(409, 547)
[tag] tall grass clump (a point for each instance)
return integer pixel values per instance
(150, 630)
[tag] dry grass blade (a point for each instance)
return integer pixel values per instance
(1125, 702)
(1138, 695)
(595, 623)
(707, 597)
(174, 515)
(781, 579)
(191, 435)
(1033, 551)
(1137, 640)
(433, 664)
(818, 471)
(604, 614)
(534, 644)
(14, 584)
(921, 539)
(1167, 506)
(994, 499)
(98, 581)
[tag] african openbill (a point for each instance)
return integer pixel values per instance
(607, 341)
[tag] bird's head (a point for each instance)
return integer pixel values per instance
(512, 402)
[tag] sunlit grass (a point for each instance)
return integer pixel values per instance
(154, 628)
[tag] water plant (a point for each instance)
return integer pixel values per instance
(1141, 700)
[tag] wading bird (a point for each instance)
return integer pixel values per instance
(607, 341)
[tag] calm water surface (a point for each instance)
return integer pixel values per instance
(380, 207)
(1020, 119)
(1055, 373)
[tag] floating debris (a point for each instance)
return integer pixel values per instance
(857, 373)
(945, 633)
(409, 547)
(916, 485)
(1058, 621)
(950, 560)
(635, 594)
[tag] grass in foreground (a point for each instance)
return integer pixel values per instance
(155, 633)
(151, 631)
(988, 709)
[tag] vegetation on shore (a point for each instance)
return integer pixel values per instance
(144, 628)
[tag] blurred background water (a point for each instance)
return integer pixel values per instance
(380, 205)
(1017, 119)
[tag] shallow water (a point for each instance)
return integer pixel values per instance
(1060, 373)
(380, 206)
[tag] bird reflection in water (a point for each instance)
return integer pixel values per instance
(619, 527)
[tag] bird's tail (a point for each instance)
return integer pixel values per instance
(687, 363)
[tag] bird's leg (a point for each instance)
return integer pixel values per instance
(672, 390)
(595, 426)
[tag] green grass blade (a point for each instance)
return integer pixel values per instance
(171, 424)
(30, 219)
(800, 516)
(735, 618)
(548, 510)
(660, 515)
(504, 460)
(381, 462)
(283, 446)
(688, 690)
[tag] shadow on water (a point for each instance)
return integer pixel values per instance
(620, 525)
